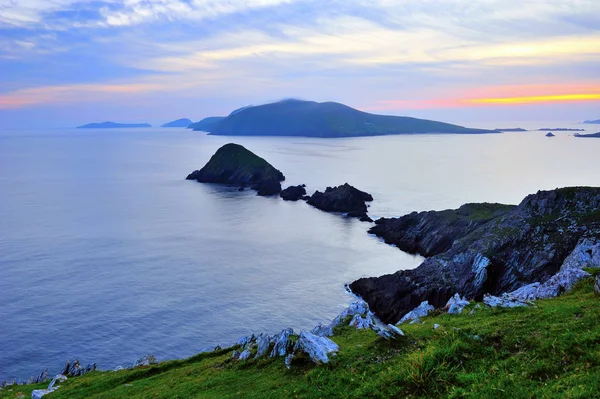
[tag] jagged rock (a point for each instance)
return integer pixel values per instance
(323, 331)
(317, 348)
(293, 193)
(235, 355)
(420, 311)
(597, 284)
(145, 361)
(245, 355)
(75, 369)
(235, 165)
(283, 343)
(456, 304)
(561, 282)
(388, 331)
(38, 393)
(504, 301)
(359, 307)
(416, 321)
(484, 248)
(263, 343)
(288, 360)
(344, 198)
(360, 322)
(245, 341)
(585, 254)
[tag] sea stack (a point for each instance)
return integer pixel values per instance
(235, 165)
(344, 198)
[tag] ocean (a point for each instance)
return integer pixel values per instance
(107, 253)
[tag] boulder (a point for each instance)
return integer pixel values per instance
(344, 199)
(234, 165)
(245, 355)
(263, 343)
(39, 393)
(456, 304)
(504, 301)
(388, 332)
(597, 284)
(561, 282)
(360, 322)
(323, 331)
(420, 311)
(146, 360)
(293, 193)
(317, 348)
(283, 343)
(76, 369)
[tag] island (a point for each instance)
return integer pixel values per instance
(511, 129)
(594, 122)
(184, 122)
(206, 124)
(550, 134)
(560, 129)
(113, 125)
(344, 199)
(482, 249)
(590, 135)
(327, 119)
(233, 164)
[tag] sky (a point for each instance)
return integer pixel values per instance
(69, 62)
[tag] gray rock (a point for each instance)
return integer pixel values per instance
(235, 355)
(504, 301)
(416, 321)
(420, 311)
(283, 343)
(597, 284)
(388, 331)
(245, 355)
(323, 331)
(360, 322)
(396, 332)
(38, 393)
(288, 360)
(145, 361)
(317, 348)
(263, 343)
(456, 304)
(436, 326)
(244, 341)
(585, 254)
(561, 282)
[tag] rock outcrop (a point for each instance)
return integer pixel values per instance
(491, 252)
(293, 193)
(344, 198)
(235, 165)
(550, 134)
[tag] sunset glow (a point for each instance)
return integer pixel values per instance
(535, 99)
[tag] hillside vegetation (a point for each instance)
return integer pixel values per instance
(548, 351)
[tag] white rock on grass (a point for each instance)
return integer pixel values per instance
(597, 284)
(360, 322)
(563, 281)
(585, 254)
(504, 301)
(263, 342)
(420, 311)
(317, 348)
(456, 304)
(38, 393)
(283, 343)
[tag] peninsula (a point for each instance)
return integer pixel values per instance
(113, 125)
(590, 135)
(206, 124)
(593, 122)
(327, 119)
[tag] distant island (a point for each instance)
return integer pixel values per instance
(597, 121)
(184, 122)
(560, 129)
(328, 119)
(590, 135)
(112, 125)
(511, 129)
(206, 124)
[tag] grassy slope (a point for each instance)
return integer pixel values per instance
(549, 351)
(308, 118)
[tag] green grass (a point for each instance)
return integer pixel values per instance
(550, 351)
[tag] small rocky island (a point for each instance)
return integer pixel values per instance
(344, 198)
(235, 165)
(538, 247)
(559, 129)
(592, 122)
(183, 122)
(294, 193)
(511, 129)
(550, 134)
(113, 125)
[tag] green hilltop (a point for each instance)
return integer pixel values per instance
(545, 351)
(327, 119)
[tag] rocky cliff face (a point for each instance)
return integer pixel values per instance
(485, 248)
(234, 164)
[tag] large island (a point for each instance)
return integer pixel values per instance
(327, 119)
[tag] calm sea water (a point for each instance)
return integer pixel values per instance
(107, 253)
